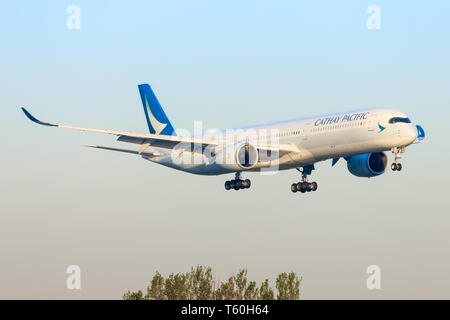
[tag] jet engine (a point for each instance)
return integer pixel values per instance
(240, 156)
(367, 164)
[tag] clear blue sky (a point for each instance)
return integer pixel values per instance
(227, 63)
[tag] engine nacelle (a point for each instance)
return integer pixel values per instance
(367, 164)
(241, 156)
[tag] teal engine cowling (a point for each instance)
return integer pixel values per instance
(367, 164)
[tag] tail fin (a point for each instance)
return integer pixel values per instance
(157, 121)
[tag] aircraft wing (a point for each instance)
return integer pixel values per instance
(155, 140)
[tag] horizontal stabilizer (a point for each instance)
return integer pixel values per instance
(149, 154)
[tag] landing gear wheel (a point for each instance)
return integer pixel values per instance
(396, 166)
(237, 183)
(304, 186)
(308, 187)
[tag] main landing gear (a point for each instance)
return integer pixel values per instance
(396, 166)
(237, 183)
(304, 185)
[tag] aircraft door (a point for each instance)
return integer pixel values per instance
(305, 131)
(372, 122)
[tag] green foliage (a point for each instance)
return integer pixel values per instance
(266, 292)
(177, 287)
(288, 286)
(157, 289)
(198, 284)
(201, 283)
(133, 295)
(226, 290)
(240, 281)
(251, 292)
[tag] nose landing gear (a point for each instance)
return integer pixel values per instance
(237, 183)
(304, 185)
(396, 166)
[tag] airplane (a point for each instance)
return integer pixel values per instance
(361, 137)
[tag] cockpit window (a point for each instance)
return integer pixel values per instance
(399, 119)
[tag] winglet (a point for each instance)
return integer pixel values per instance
(30, 116)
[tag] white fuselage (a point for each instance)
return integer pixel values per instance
(314, 139)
